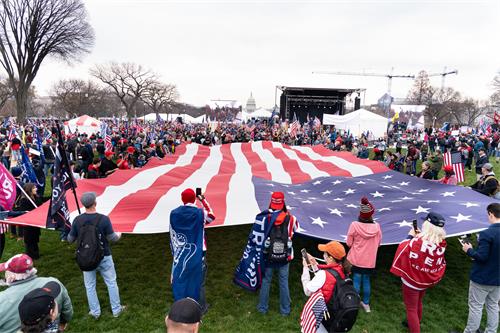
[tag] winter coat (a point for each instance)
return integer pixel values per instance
(364, 240)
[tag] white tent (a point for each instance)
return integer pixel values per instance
(358, 122)
(84, 124)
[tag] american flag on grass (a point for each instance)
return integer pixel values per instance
(313, 312)
(455, 160)
(322, 189)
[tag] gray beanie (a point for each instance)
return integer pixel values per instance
(488, 166)
(88, 199)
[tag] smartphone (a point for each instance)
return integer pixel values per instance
(465, 239)
(305, 256)
(198, 191)
(415, 225)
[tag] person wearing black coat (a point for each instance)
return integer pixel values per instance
(31, 234)
(488, 183)
(482, 159)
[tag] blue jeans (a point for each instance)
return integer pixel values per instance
(266, 286)
(107, 270)
(357, 279)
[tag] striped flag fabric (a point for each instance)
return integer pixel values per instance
(322, 189)
(313, 312)
(455, 160)
(294, 126)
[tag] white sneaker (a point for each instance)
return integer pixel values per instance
(366, 307)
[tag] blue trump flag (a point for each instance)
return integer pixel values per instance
(186, 243)
(248, 274)
(29, 175)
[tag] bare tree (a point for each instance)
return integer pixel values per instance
(495, 97)
(160, 96)
(441, 105)
(5, 92)
(31, 30)
(422, 92)
(128, 81)
(467, 111)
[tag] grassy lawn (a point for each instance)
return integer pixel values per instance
(143, 268)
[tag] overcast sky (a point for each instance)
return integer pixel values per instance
(227, 49)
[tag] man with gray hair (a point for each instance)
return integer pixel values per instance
(83, 227)
(488, 183)
(21, 278)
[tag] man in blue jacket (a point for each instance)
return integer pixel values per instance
(485, 275)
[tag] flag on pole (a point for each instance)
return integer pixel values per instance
(8, 189)
(455, 160)
(313, 312)
(58, 213)
(316, 122)
(28, 175)
(294, 127)
(37, 141)
(13, 133)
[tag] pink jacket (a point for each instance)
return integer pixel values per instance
(364, 240)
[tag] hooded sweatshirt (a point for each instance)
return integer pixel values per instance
(364, 240)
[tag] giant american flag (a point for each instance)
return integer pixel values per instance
(322, 189)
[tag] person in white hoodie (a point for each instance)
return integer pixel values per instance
(363, 238)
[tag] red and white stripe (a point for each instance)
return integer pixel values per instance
(307, 317)
(458, 168)
(140, 200)
(4, 228)
(108, 146)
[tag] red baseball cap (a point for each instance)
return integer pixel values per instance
(277, 201)
(20, 264)
(108, 153)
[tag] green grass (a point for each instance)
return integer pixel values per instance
(143, 267)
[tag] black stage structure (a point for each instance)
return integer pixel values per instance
(315, 102)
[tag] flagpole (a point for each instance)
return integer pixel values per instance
(64, 160)
(26, 195)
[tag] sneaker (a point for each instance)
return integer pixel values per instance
(123, 308)
(96, 317)
(366, 307)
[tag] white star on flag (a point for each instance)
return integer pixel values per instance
(272, 185)
(406, 198)
(393, 201)
(326, 192)
(385, 186)
(360, 182)
(404, 183)
(305, 191)
(470, 204)
(377, 194)
(338, 199)
(290, 207)
(336, 212)
(431, 201)
(421, 209)
(307, 201)
(384, 209)
(387, 177)
(349, 191)
(337, 182)
(461, 217)
(404, 223)
(351, 206)
(448, 194)
(344, 237)
(317, 182)
(292, 193)
(318, 221)
(423, 190)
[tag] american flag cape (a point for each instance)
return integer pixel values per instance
(455, 160)
(322, 189)
(313, 312)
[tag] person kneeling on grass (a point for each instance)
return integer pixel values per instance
(419, 262)
(184, 316)
(322, 290)
(21, 278)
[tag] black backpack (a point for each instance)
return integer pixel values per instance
(278, 246)
(90, 247)
(343, 307)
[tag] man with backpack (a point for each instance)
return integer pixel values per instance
(278, 252)
(92, 232)
(333, 303)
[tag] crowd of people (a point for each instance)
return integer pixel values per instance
(37, 304)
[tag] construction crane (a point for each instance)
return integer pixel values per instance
(389, 76)
(443, 75)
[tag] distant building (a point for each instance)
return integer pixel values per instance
(251, 106)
